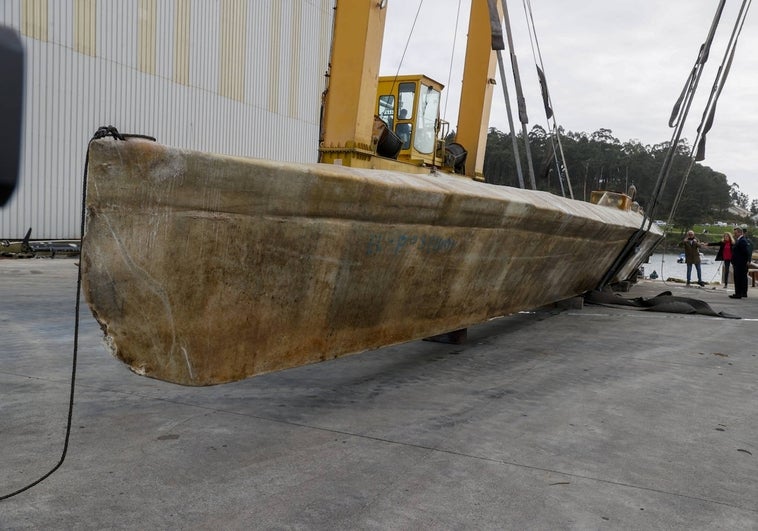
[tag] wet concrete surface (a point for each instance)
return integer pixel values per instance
(595, 418)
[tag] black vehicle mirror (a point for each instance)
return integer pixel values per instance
(11, 110)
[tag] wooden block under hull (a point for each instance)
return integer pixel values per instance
(204, 269)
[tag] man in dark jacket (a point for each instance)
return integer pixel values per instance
(692, 257)
(740, 259)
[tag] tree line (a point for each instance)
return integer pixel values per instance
(599, 161)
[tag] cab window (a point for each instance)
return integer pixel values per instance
(428, 111)
(406, 95)
(387, 109)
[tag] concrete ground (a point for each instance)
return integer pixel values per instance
(593, 418)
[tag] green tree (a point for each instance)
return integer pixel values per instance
(738, 197)
(600, 161)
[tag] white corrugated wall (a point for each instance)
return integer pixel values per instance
(242, 77)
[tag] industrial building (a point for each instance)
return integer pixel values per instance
(239, 77)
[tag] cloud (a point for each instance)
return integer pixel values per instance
(614, 65)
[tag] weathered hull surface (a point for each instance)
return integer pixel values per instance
(204, 269)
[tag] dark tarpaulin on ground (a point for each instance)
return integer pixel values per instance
(663, 302)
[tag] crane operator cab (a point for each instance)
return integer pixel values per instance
(409, 107)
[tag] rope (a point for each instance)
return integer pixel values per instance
(407, 42)
(509, 114)
(678, 117)
(697, 152)
(521, 102)
(497, 47)
(717, 272)
(560, 162)
(452, 56)
(698, 147)
(680, 113)
(100, 133)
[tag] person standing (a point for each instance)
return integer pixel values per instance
(724, 254)
(692, 257)
(740, 260)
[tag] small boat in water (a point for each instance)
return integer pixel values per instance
(203, 269)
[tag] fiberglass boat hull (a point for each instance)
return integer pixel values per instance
(205, 269)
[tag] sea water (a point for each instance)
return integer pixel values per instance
(666, 266)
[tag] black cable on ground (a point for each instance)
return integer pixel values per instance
(100, 133)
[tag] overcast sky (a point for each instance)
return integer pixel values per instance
(616, 64)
